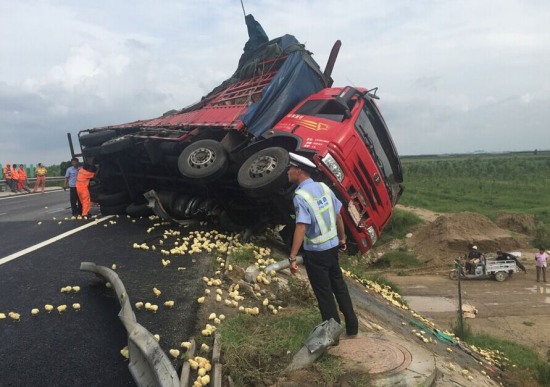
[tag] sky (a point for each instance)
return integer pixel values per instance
(453, 76)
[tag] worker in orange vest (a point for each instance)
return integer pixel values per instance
(8, 177)
(85, 174)
(15, 177)
(22, 182)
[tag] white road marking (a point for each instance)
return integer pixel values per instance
(3, 213)
(52, 240)
(29, 195)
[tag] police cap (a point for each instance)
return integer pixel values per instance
(301, 162)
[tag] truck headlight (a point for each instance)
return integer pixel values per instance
(333, 167)
(372, 234)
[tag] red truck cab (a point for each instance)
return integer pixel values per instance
(343, 132)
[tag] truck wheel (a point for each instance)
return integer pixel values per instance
(204, 159)
(264, 172)
(96, 138)
(500, 276)
(112, 199)
(116, 145)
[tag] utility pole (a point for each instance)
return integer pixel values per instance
(460, 315)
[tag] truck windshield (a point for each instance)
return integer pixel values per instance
(375, 135)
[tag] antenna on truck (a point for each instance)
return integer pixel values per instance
(242, 5)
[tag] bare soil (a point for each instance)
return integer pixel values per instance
(517, 309)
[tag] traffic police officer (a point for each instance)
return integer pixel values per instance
(319, 226)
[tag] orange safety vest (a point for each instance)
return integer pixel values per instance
(7, 173)
(15, 174)
(83, 178)
(22, 174)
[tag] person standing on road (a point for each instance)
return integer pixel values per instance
(319, 226)
(70, 180)
(40, 173)
(15, 177)
(22, 182)
(542, 261)
(9, 177)
(85, 174)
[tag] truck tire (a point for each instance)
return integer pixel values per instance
(264, 172)
(119, 209)
(500, 276)
(112, 199)
(116, 145)
(204, 160)
(96, 138)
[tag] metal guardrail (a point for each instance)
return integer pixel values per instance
(148, 364)
(32, 180)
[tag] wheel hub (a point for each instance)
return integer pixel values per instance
(201, 158)
(262, 166)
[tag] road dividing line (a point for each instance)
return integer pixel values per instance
(52, 240)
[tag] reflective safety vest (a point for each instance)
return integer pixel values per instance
(7, 173)
(319, 206)
(83, 178)
(22, 174)
(14, 174)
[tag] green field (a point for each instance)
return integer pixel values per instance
(486, 183)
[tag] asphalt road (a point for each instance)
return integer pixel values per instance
(82, 348)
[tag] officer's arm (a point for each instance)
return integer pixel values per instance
(299, 234)
(340, 229)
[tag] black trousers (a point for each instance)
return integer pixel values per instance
(327, 281)
(76, 206)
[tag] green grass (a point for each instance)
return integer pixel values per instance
(401, 223)
(256, 348)
(523, 357)
(487, 184)
(242, 256)
(398, 260)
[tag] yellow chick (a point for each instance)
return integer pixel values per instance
(205, 380)
(205, 347)
(48, 307)
(108, 285)
(76, 289)
(185, 344)
(139, 305)
(14, 316)
(34, 312)
(265, 302)
(193, 364)
(201, 372)
(175, 353)
(200, 300)
(218, 298)
(113, 266)
(147, 305)
(157, 292)
(206, 291)
(169, 304)
(125, 353)
(221, 317)
(154, 308)
(2, 316)
(62, 308)
(156, 337)
(212, 316)
(165, 262)
(76, 306)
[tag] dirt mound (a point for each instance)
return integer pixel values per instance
(521, 223)
(449, 235)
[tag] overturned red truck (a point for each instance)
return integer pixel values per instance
(226, 156)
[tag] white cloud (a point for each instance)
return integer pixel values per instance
(453, 76)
